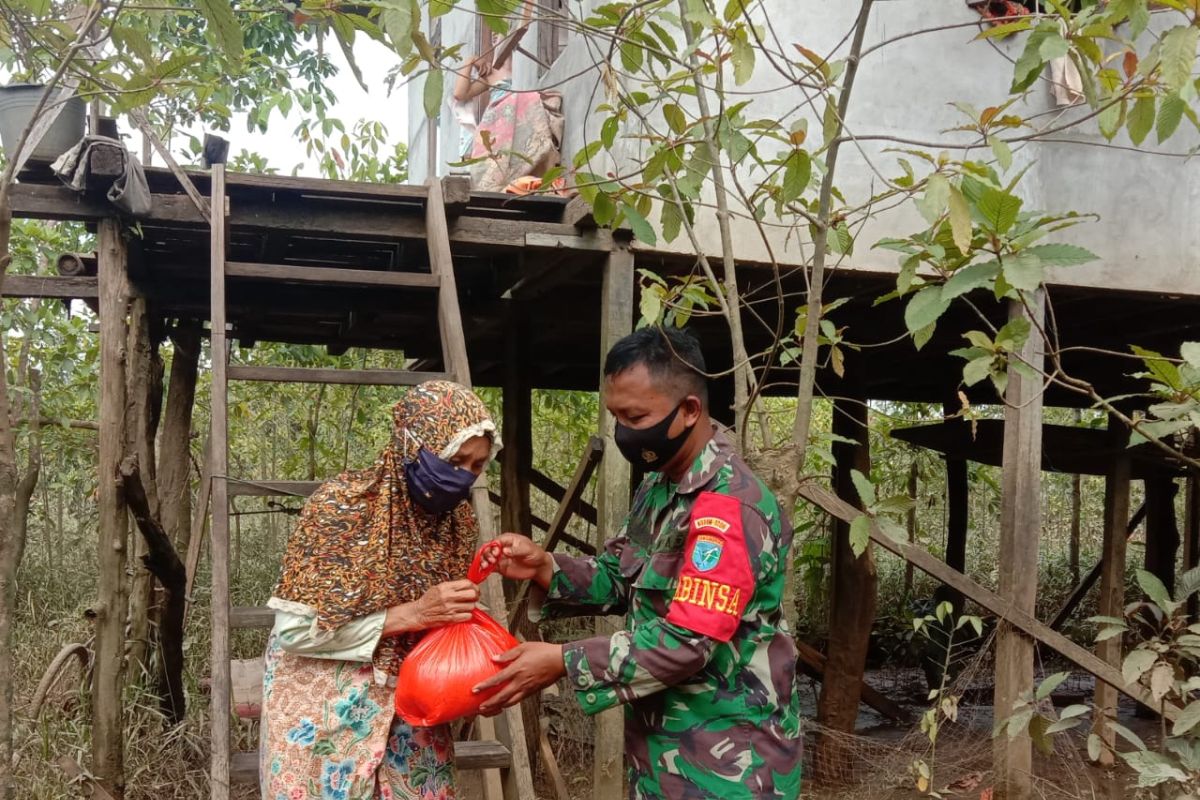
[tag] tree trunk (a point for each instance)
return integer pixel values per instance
(163, 562)
(911, 528)
(852, 606)
(174, 442)
(143, 388)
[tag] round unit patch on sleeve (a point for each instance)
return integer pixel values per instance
(715, 582)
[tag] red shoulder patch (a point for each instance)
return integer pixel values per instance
(715, 582)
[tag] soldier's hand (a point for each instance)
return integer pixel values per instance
(521, 559)
(528, 668)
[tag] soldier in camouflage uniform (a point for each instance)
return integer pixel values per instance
(705, 665)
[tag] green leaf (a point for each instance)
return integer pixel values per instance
(1024, 271)
(398, 20)
(1137, 663)
(860, 534)
(650, 305)
(432, 95)
(631, 56)
(967, 279)
(925, 308)
(675, 117)
(1190, 352)
(1002, 152)
(1095, 747)
(1141, 119)
(608, 131)
(829, 122)
(1188, 718)
(641, 227)
(223, 28)
(1061, 255)
(671, 221)
(999, 209)
(864, 488)
(960, 221)
(1014, 334)
(922, 337)
(797, 171)
(977, 370)
(743, 60)
(1178, 55)
(1170, 114)
(936, 198)
(495, 13)
(1052, 682)
(1155, 590)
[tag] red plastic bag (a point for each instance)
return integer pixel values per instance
(435, 681)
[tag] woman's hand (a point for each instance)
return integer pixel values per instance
(443, 604)
(521, 559)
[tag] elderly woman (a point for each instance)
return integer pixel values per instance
(379, 555)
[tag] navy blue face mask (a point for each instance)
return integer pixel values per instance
(436, 484)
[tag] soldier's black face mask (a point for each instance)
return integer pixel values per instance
(651, 448)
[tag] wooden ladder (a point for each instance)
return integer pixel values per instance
(502, 751)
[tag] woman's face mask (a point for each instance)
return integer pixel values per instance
(436, 484)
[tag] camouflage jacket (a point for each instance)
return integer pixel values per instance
(705, 664)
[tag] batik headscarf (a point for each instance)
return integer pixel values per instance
(362, 545)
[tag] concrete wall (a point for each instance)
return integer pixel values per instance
(1146, 203)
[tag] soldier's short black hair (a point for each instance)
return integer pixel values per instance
(670, 355)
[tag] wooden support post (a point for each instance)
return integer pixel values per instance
(1112, 584)
(958, 490)
(1162, 532)
(108, 675)
(515, 513)
(516, 782)
(1089, 580)
(1020, 528)
(911, 528)
(1191, 537)
(612, 506)
(853, 594)
(218, 471)
(517, 466)
(1162, 541)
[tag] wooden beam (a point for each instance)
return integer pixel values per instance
(468, 756)
(331, 275)
(578, 213)
(1002, 607)
(1020, 527)
(108, 673)
(242, 617)
(1112, 587)
(556, 530)
(57, 287)
(264, 488)
(346, 377)
(1162, 531)
(456, 194)
(219, 459)
(813, 662)
(375, 221)
(612, 506)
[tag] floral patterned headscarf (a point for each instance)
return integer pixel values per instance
(362, 545)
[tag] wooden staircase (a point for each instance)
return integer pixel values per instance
(501, 750)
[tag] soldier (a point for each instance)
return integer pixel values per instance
(705, 665)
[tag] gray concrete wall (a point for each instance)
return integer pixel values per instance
(1146, 236)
